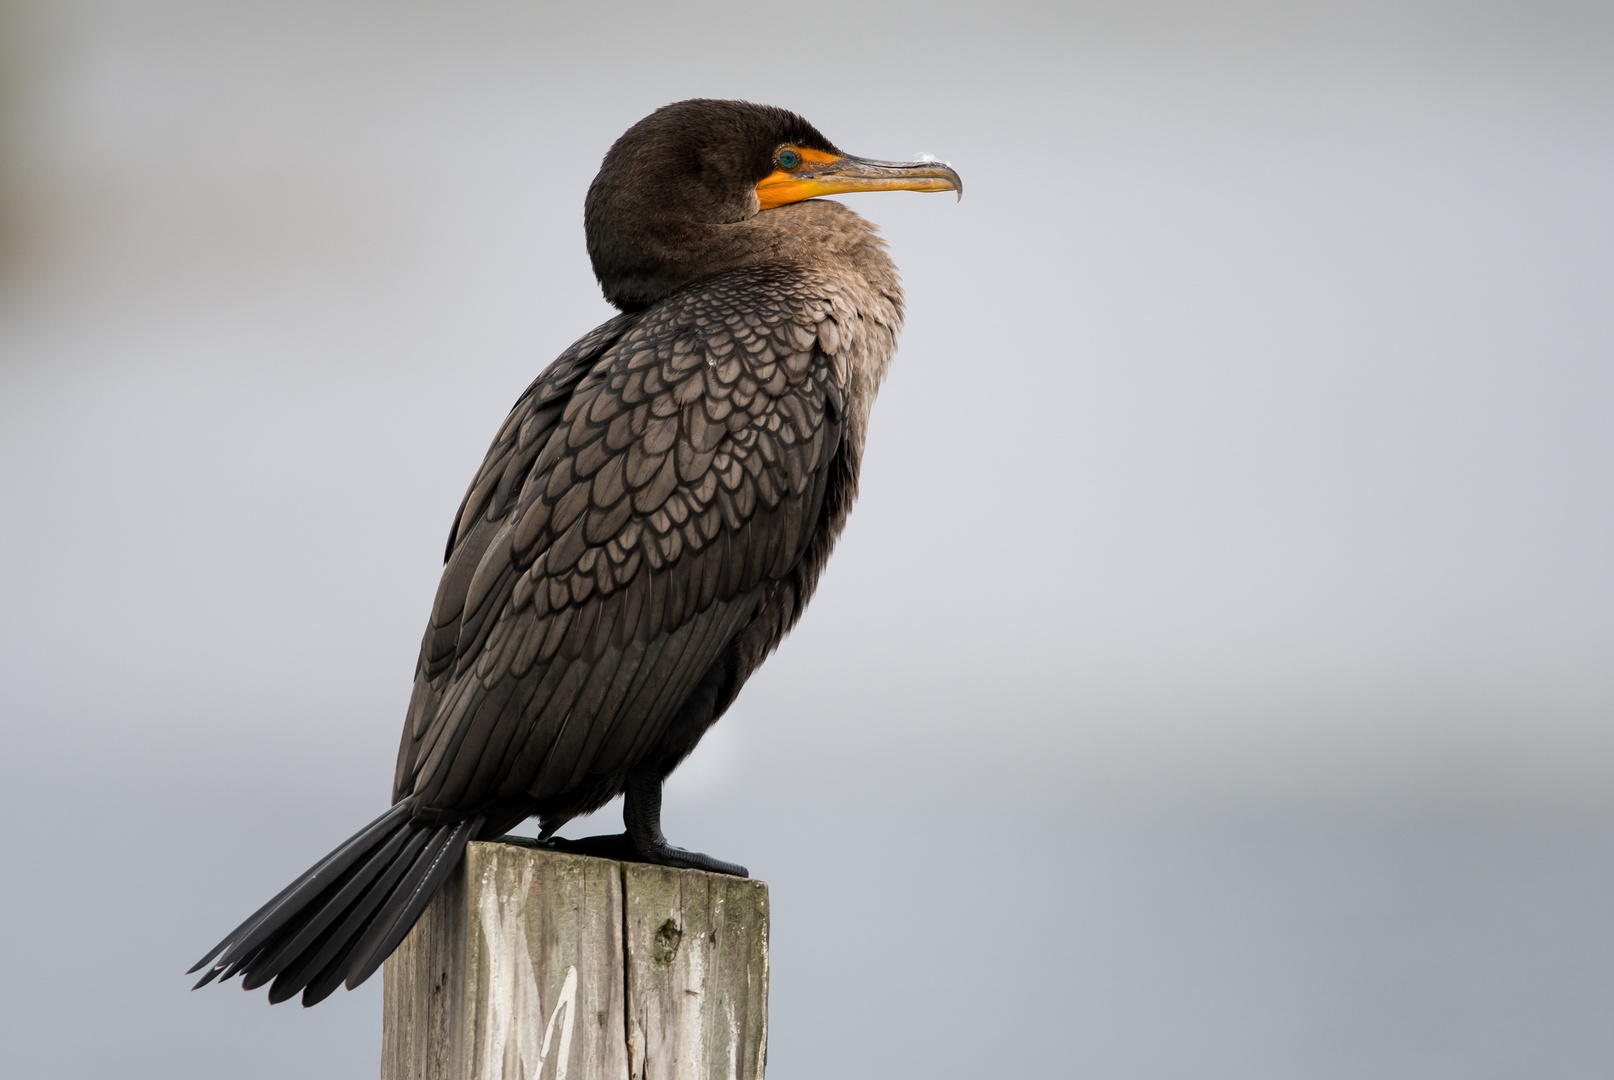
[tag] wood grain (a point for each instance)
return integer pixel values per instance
(533, 964)
(697, 949)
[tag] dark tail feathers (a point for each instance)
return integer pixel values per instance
(342, 918)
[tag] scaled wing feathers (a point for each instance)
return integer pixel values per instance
(637, 503)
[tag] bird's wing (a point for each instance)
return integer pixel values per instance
(683, 473)
(520, 438)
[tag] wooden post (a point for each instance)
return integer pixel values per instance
(537, 965)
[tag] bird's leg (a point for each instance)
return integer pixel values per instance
(643, 842)
(641, 814)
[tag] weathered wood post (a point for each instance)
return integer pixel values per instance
(538, 965)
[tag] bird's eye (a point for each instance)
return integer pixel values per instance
(789, 159)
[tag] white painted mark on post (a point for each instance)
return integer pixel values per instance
(567, 1001)
(734, 1039)
(511, 1046)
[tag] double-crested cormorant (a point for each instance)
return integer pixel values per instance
(648, 524)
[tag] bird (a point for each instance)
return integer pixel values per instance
(648, 524)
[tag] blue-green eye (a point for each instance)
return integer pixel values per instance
(789, 159)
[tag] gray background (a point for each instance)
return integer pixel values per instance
(1214, 680)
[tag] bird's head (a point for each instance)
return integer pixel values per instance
(655, 213)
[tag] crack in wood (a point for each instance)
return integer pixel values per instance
(678, 957)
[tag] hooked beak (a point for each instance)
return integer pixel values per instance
(826, 174)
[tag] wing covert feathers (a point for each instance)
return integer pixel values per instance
(636, 504)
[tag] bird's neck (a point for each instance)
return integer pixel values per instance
(648, 264)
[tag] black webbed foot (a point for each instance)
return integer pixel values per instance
(613, 846)
(621, 847)
(664, 854)
(643, 841)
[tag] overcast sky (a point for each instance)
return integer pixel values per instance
(1215, 671)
